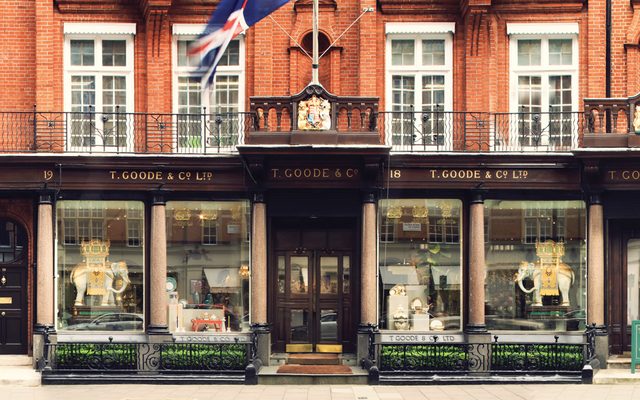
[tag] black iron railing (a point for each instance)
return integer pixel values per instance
(443, 131)
(537, 357)
(431, 130)
(424, 358)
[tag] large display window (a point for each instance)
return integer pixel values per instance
(100, 265)
(420, 264)
(536, 265)
(208, 266)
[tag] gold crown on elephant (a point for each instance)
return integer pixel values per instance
(95, 248)
(550, 249)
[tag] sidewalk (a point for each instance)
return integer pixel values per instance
(326, 392)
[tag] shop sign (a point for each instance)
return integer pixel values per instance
(314, 173)
(623, 175)
(420, 338)
(215, 338)
(411, 227)
(487, 176)
(161, 176)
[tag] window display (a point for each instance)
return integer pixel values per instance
(536, 265)
(420, 264)
(100, 269)
(208, 266)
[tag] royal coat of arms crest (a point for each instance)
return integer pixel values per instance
(314, 114)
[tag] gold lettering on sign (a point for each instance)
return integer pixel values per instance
(47, 174)
(476, 174)
(159, 176)
(314, 173)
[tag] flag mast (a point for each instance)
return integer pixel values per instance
(314, 66)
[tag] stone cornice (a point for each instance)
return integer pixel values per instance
(92, 6)
(417, 6)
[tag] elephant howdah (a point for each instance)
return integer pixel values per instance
(95, 275)
(550, 275)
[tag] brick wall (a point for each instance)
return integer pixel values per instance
(31, 69)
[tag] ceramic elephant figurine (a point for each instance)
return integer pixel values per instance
(80, 276)
(565, 278)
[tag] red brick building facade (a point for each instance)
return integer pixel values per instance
(463, 145)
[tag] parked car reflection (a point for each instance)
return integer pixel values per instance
(111, 322)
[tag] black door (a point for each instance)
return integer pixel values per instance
(13, 288)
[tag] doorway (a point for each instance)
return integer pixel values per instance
(312, 277)
(13, 288)
(623, 282)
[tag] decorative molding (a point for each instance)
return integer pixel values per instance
(538, 6)
(308, 5)
(92, 6)
(410, 7)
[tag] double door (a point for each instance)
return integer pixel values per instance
(312, 294)
(13, 288)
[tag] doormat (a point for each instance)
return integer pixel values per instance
(314, 369)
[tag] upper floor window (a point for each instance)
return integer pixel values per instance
(544, 84)
(215, 120)
(419, 84)
(98, 86)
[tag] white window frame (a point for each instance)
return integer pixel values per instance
(188, 32)
(543, 32)
(98, 32)
(417, 33)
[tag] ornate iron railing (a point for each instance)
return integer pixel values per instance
(149, 357)
(424, 358)
(443, 131)
(433, 130)
(537, 357)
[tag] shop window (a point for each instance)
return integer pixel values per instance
(215, 120)
(420, 270)
(544, 78)
(100, 276)
(98, 82)
(419, 78)
(536, 265)
(208, 285)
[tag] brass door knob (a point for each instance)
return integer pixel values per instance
(2, 314)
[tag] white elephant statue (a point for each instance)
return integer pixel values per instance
(80, 277)
(564, 277)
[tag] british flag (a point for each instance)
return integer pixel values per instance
(230, 18)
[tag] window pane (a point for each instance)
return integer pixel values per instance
(82, 52)
(183, 58)
(402, 52)
(101, 279)
(420, 271)
(529, 52)
(525, 239)
(114, 53)
(231, 55)
(207, 265)
(433, 52)
(560, 52)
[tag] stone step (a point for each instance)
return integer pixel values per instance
(21, 375)
(10, 360)
(619, 362)
(615, 376)
(313, 359)
(270, 376)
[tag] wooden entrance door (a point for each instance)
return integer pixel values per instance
(313, 293)
(13, 288)
(623, 282)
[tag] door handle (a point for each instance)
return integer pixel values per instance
(2, 314)
(3, 280)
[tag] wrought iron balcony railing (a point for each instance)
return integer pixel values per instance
(212, 133)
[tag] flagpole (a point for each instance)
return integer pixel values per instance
(314, 67)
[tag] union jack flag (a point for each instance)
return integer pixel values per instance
(230, 18)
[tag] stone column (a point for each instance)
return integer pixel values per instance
(595, 276)
(45, 287)
(158, 268)
(259, 322)
(477, 266)
(368, 274)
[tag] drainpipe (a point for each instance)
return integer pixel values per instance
(608, 51)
